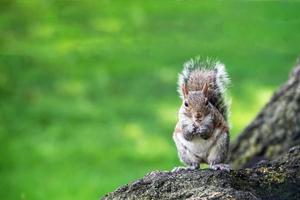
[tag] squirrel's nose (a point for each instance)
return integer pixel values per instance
(197, 116)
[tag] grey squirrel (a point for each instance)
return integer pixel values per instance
(201, 134)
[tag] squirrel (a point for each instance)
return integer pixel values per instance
(201, 134)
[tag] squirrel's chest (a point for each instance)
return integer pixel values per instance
(198, 146)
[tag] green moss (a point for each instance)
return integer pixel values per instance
(270, 176)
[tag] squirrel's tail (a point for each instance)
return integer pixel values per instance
(222, 81)
(222, 78)
(207, 64)
(184, 76)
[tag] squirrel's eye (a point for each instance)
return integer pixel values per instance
(186, 104)
(206, 102)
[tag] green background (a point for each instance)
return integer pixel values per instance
(88, 88)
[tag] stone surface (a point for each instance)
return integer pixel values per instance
(279, 179)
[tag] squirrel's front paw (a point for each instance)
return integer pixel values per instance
(203, 133)
(189, 132)
(188, 136)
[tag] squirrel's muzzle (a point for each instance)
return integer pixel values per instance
(198, 117)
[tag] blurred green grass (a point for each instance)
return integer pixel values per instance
(88, 88)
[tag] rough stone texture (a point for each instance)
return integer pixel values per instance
(275, 129)
(279, 179)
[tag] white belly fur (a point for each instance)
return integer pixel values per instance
(197, 148)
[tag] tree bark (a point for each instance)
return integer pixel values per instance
(265, 141)
(275, 129)
(279, 179)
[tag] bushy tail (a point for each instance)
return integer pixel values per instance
(184, 76)
(221, 77)
(222, 81)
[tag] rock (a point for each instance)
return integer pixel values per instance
(278, 179)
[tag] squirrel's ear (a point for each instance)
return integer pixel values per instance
(205, 90)
(185, 90)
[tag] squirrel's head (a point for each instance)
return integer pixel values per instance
(196, 103)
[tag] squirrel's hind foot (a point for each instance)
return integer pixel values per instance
(188, 168)
(223, 167)
(178, 169)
